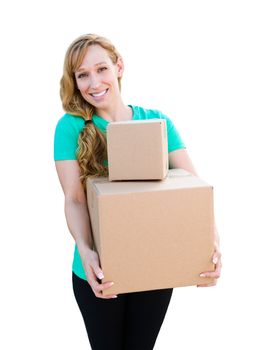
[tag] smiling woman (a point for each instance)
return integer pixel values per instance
(91, 97)
(98, 81)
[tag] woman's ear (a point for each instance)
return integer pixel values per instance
(120, 67)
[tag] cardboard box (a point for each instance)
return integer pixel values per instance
(152, 234)
(137, 150)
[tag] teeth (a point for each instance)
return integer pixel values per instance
(99, 94)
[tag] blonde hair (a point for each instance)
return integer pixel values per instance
(92, 150)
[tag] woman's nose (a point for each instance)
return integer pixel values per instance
(94, 82)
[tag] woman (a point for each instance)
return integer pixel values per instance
(90, 93)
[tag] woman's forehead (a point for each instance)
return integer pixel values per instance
(94, 55)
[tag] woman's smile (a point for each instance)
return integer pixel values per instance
(99, 95)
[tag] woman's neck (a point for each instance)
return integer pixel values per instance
(119, 112)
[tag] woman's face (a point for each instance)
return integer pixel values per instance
(97, 78)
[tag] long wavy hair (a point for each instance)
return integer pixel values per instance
(92, 145)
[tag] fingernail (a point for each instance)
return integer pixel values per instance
(115, 296)
(202, 275)
(215, 260)
(111, 283)
(100, 276)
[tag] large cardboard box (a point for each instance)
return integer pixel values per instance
(137, 150)
(152, 234)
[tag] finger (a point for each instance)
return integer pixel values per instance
(100, 287)
(210, 274)
(97, 287)
(111, 296)
(216, 257)
(94, 275)
(207, 285)
(97, 270)
(92, 279)
(213, 274)
(218, 268)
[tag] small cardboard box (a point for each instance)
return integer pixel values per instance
(152, 234)
(137, 150)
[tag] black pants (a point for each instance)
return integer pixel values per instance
(130, 322)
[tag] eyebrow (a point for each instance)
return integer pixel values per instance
(97, 64)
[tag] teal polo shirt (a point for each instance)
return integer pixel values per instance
(66, 137)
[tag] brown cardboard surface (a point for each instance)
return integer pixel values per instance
(137, 150)
(152, 234)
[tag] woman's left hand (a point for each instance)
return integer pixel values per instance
(213, 274)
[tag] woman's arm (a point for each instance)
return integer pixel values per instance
(75, 204)
(78, 221)
(180, 159)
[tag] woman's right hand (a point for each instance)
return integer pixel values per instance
(93, 271)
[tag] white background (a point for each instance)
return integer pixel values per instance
(198, 62)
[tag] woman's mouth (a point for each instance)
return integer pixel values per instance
(99, 95)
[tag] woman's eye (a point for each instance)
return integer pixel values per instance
(82, 75)
(102, 69)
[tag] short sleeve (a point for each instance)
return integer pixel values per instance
(174, 139)
(65, 140)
